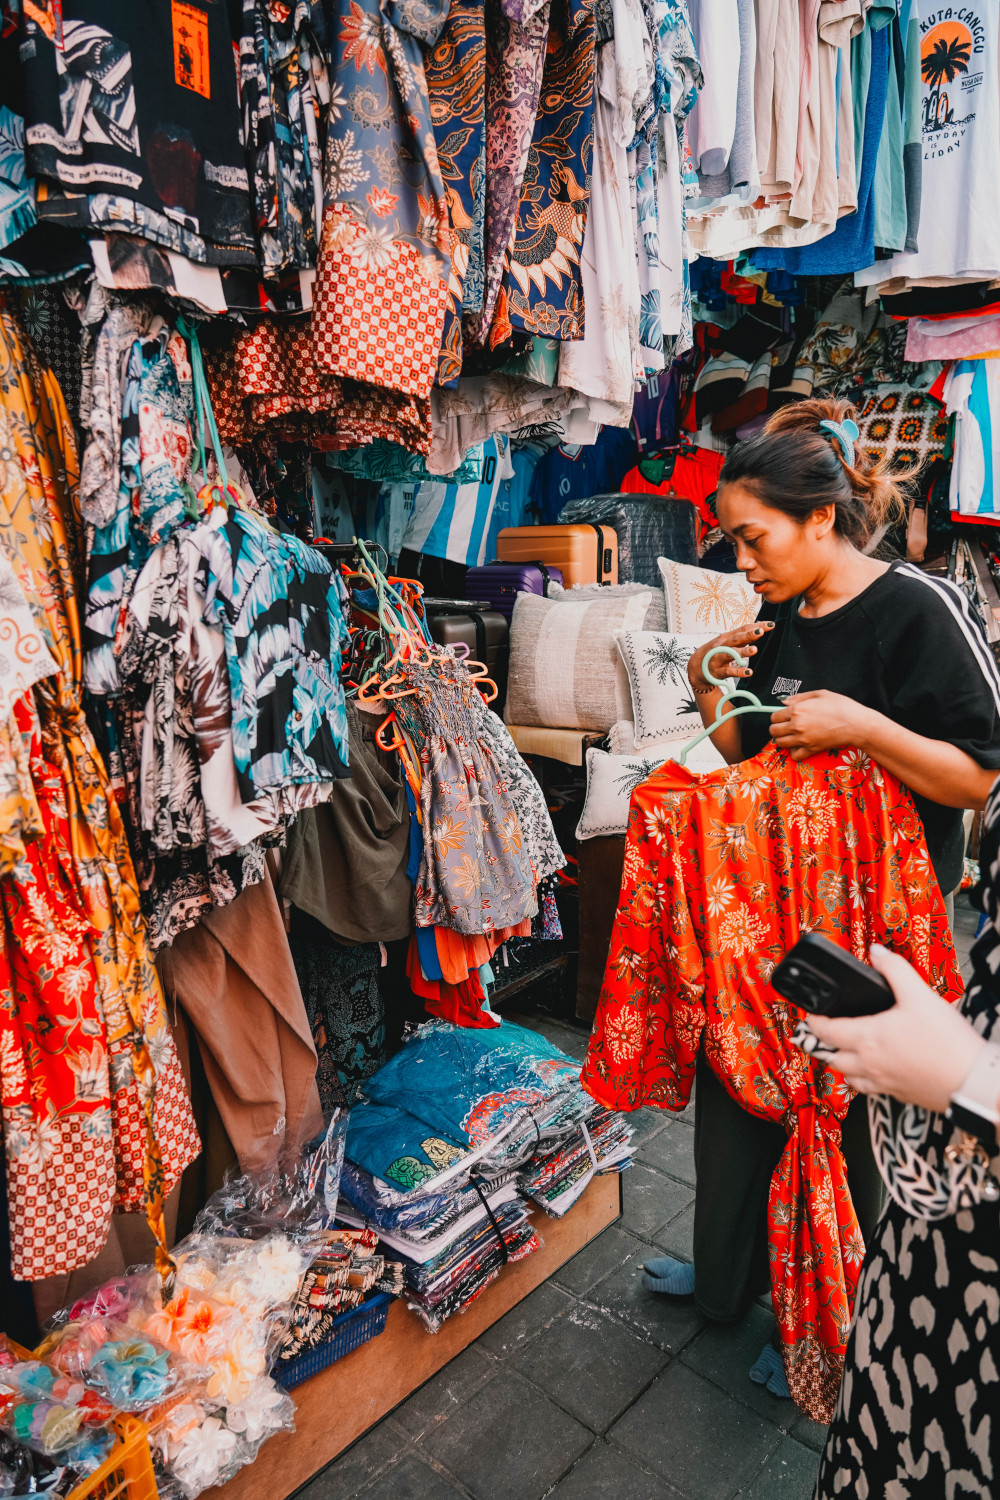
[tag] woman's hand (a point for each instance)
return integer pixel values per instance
(725, 666)
(810, 722)
(920, 1051)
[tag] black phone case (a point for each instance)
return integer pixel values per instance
(825, 980)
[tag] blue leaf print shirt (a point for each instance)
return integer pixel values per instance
(278, 605)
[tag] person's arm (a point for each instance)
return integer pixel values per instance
(921, 1051)
(727, 738)
(934, 769)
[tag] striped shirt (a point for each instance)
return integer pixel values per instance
(453, 520)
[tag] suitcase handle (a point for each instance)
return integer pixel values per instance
(603, 553)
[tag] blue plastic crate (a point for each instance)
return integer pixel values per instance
(350, 1330)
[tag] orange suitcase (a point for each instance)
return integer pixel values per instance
(586, 554)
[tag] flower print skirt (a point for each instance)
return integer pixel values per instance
(475, 871)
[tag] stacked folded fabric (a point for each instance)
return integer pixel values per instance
(461, 1128)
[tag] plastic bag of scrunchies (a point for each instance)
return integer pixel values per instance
(119, 1360)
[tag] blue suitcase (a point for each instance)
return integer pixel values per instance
(501, 583)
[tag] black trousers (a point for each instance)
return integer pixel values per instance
(735, 1155)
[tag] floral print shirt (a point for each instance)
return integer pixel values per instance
(284, 86)
(382, 286)
(722, 875)
(155, 487)
(278, 605)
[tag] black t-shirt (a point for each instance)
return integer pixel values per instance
(909, 646)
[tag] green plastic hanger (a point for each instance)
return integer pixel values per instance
(751, 705)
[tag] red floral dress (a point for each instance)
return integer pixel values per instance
(722, 874)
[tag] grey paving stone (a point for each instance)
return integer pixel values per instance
(813, 1434)
(789, 1474)
(677, 1237)
(724, 1353)
(605, 1473)
(446, 1391)
(595, 1260)
(523, 1321)
(412, 1479)
(695, 1436)
(509, 1442)
(593, 1367)
(651, 1200)
(358, 1466)
(671, 1151)
(666, 1322)
(646, 1123)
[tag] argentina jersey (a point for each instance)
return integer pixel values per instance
(453, 520)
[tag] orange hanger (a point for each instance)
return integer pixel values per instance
(482, 682)
(397, 742)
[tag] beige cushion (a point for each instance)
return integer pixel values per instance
(656, 614)
(701, 599)
(565, 670)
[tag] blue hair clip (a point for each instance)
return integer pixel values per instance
(846, 433)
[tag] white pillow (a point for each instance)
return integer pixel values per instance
(621, 737)
(663, 702)
(611, 780)
(656, 615)
(701, 599)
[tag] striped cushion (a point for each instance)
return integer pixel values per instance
(565, 668)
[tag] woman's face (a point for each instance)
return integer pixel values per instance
(780, 556)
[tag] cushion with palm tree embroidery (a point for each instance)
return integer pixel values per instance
(702, 599)
(611, 780)
(663, 702)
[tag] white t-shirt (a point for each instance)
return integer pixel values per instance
(960, 222)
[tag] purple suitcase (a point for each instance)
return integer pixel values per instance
(501, 583)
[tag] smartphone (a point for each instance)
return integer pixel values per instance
(826, 980)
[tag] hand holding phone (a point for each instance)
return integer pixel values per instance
(826, 980)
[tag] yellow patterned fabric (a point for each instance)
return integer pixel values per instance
(152, 1126)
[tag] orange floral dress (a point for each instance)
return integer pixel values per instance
(70, 808)
(722, 874)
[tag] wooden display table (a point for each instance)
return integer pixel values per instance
(336, 1406)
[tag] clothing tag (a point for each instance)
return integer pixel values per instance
(307, 280)
(190, 27)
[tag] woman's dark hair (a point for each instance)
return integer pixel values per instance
(794, 465)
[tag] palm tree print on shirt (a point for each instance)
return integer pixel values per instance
(945, 55)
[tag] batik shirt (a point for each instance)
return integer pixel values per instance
(544, 280)
(140, 103)
(722, 875)
(456, 85)
(516, 32)
(152, 1128)
(382, 280)
(284, 84)
(279, 608)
